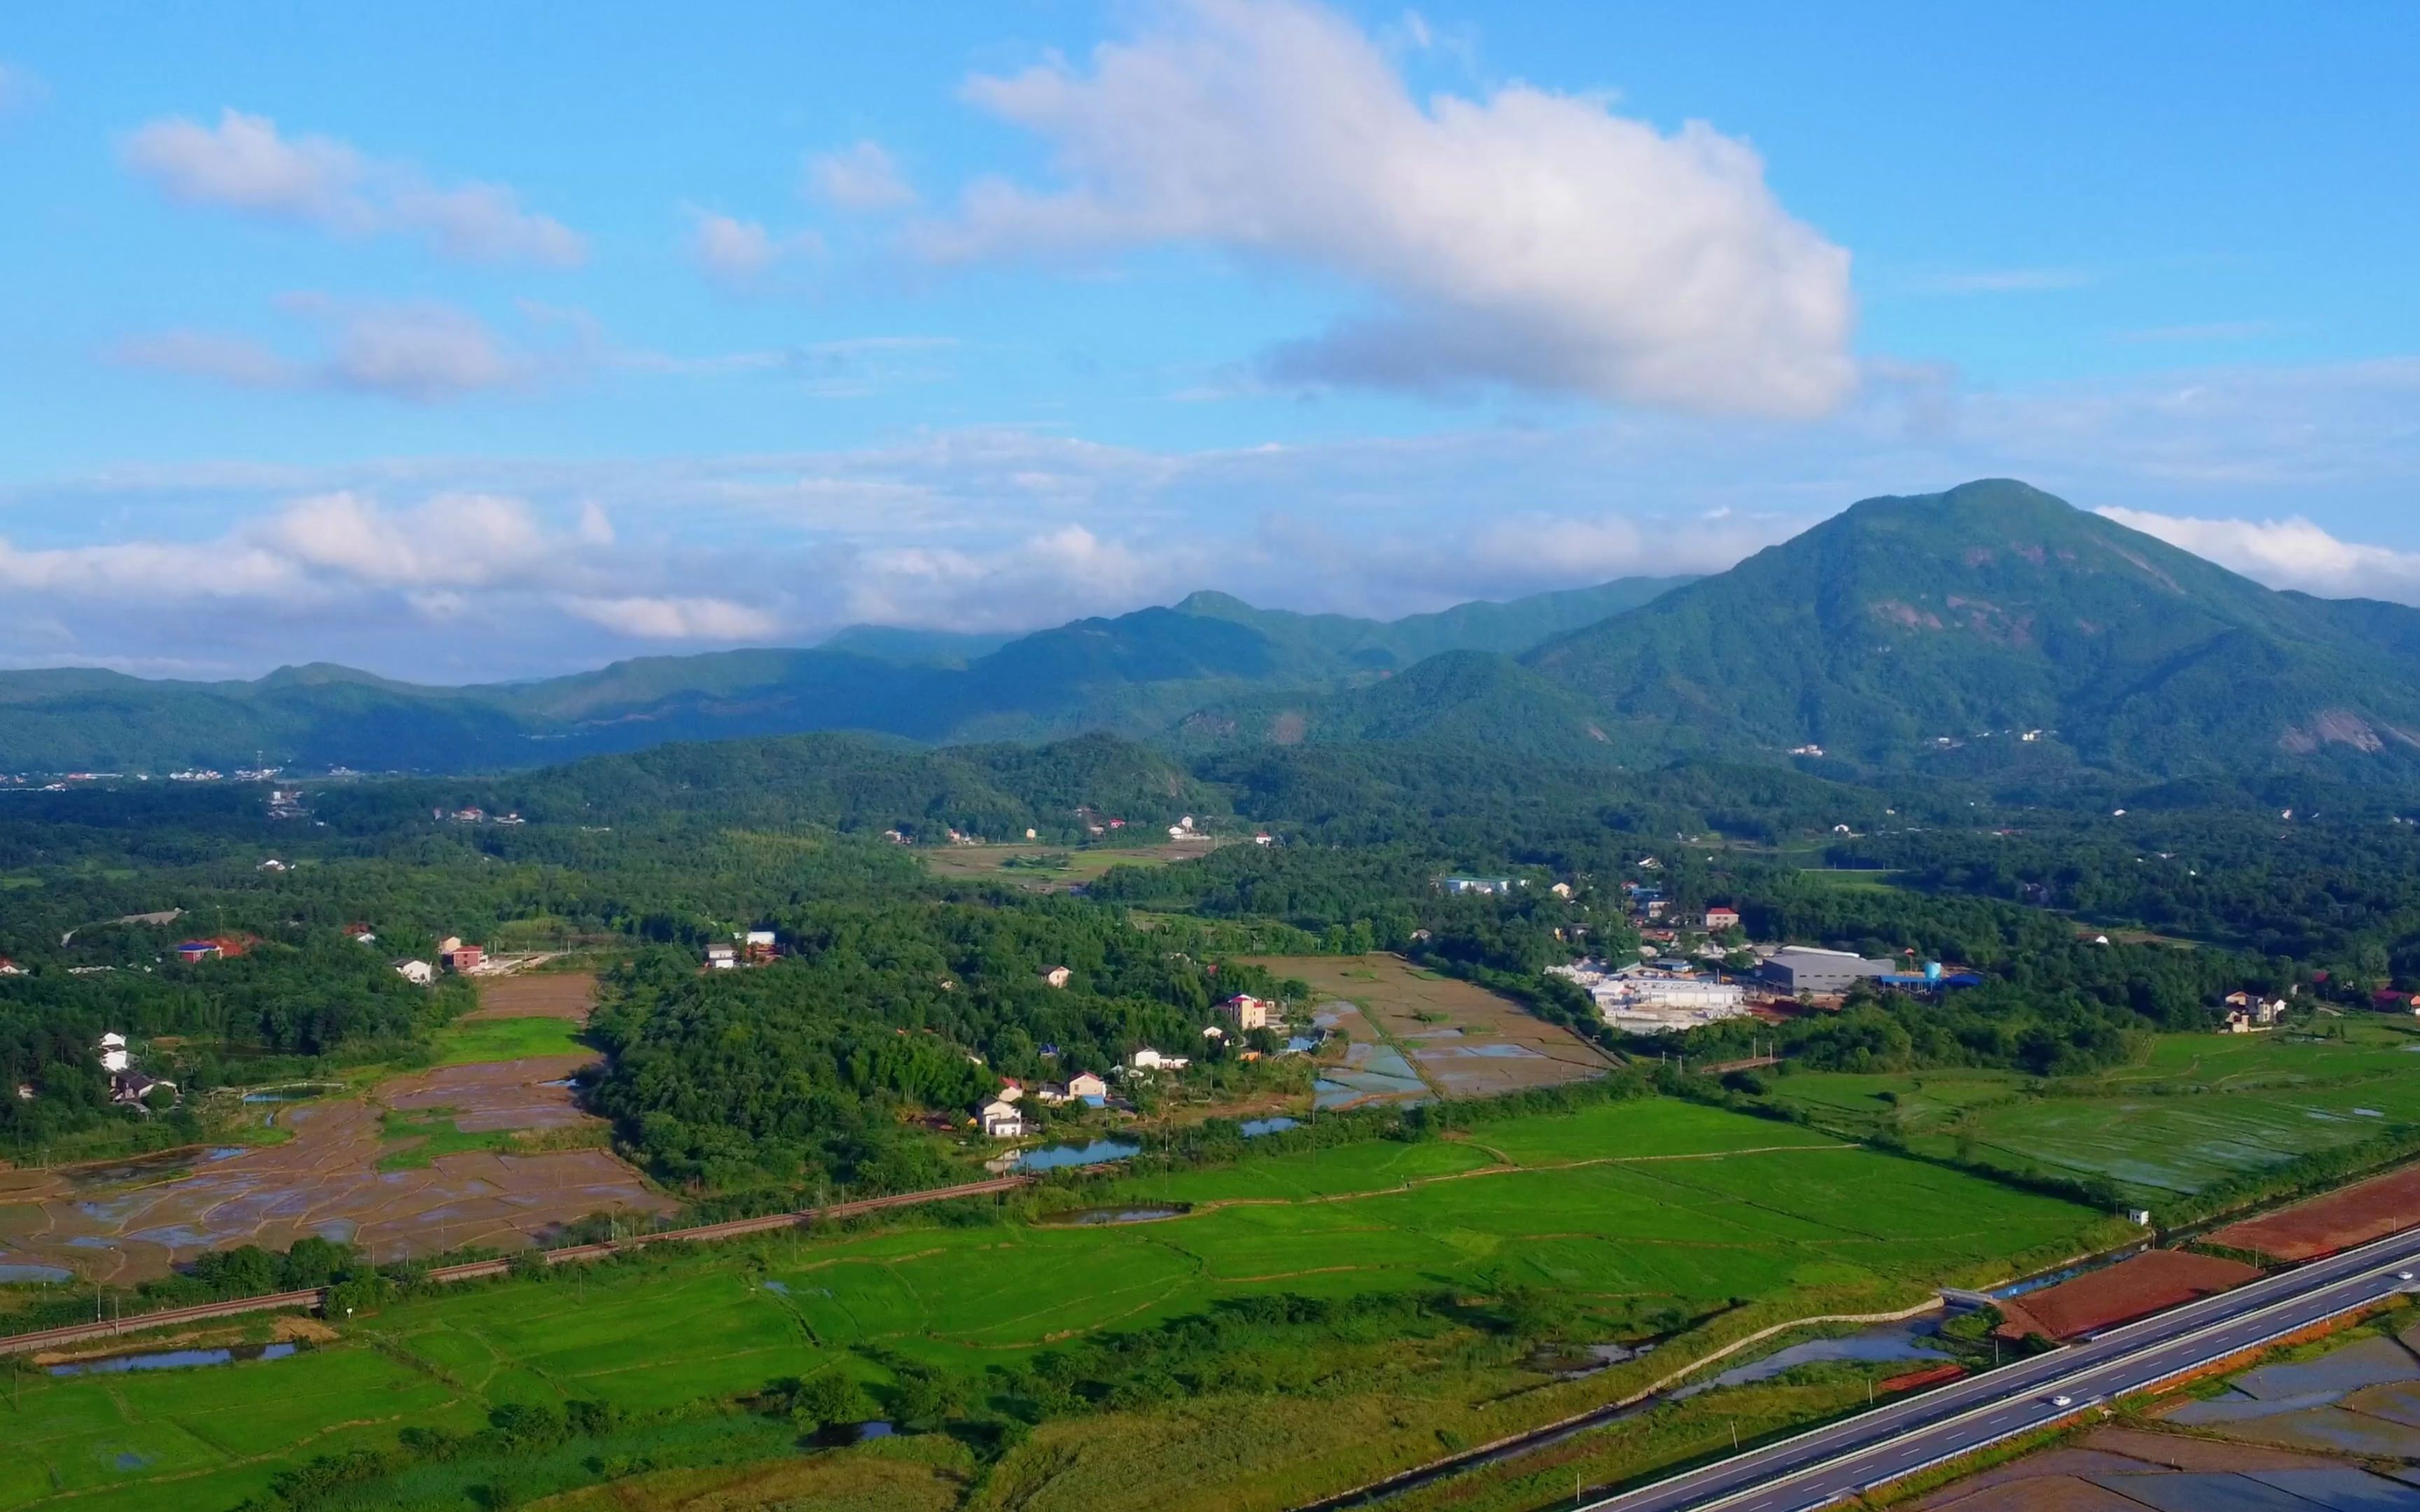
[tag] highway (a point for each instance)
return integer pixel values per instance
(1828, 1464)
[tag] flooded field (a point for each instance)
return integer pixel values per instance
(131, 1220)
(1461, 1040)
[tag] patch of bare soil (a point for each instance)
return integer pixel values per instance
(325, 1180)
(549, 995)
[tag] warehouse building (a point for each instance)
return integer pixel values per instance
(1802, 970)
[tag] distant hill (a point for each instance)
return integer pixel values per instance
(1456, 697)
(1135, 673)
(1945, 626)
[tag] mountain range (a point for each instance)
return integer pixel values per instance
(1989, 629)
(1135, 673)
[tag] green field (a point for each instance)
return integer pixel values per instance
(463, 1043)
(2200, 1108)
(1037, 864)
(1599, 1212)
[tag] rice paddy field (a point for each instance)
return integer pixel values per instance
(1645, 1216)
(2198, 1109)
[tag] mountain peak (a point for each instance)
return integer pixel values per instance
(1211, 602)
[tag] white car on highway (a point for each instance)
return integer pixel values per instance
(2062, 1401)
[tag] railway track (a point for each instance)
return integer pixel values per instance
(475, 1270)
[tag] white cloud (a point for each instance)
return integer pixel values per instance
(463, 539)
(860, 176)
(421, 352)
(1531, 239)
(147, 570)
(245, 163)
(738, 253)
(2287, 553)
(676, 619)
(1054, 576)
(1010, 529)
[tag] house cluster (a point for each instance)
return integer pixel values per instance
(1487, 886)
(2251, 1013)
(1000, 1117)
(217, 946)
(1656, 997)
(2391, 1000)
(1183, 829)
(129, 1086)
(753, 947)
(474, 816)
(285, 803)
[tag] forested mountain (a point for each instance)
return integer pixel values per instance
(1955, 624)
(1135, 672)
(1991, 631)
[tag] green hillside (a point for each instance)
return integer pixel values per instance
(1135, 673)
(1941, 624)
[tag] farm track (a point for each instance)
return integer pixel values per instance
(476, 1269)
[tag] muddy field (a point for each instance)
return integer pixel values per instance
(1463, 1040)
(552, 994)
(2370, 1209)
(2115, 1294)
(2128, 1470)
(129, 1221)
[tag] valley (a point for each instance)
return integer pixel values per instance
(1278, 1117)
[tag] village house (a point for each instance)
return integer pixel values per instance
(1056, 977)
(1011, 1090)
(418, 973)
(113, 1052)
(1560, 889)
(1000, 1119)
(1148, 1060)
(134, 1087)
(1720, 917)
(1087, 1087)
(194, 952)
(10, 968)
(460, 957)
(758, 948)
(1249, 1013)
(720, 958)
(1264, 837)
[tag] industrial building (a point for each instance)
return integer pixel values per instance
(1802, 970)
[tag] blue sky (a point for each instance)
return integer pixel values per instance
(462, 345)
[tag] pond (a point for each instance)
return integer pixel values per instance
(13, 1273)
(1096, 1217)
(1254, 1128)
(301, 1092)
(171, 1360)
(1055, 1157)
(1898, 1341)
